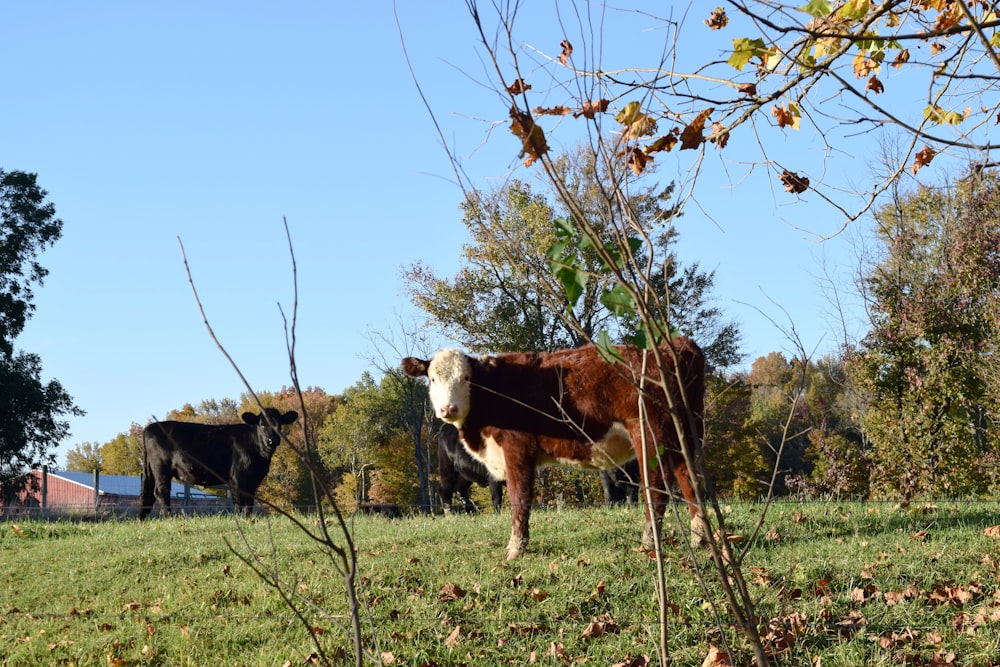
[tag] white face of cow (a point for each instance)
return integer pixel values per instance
(449, 372)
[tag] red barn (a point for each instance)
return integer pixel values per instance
(86, 493)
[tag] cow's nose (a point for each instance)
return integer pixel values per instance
(446, 411)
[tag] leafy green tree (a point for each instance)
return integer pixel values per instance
(733, 455)
(929, 361)
(31, 410)
(85, 457)
(376, 438)
(507, 298)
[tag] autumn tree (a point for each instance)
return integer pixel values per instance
(85, 457)
(208, 411)
(31, 411)
(368, 442)
(122, 455)
(291, 482)
(929, 361)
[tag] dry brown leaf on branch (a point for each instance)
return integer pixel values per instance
(637, 161)
(748, 89)
(794, 183)
(518, 87)
(922, 158)
(720, 136)
(552, 111)
(664, 143)
(531, 135)
(692, 136)
(875, 85)
(717, 20)
(591, 108)
(787, 115)
(567, 51)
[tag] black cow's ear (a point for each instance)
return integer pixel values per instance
(250, 418)
(289, 417)
(414, 367)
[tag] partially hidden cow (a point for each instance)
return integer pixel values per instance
(621, 485)
(459, 469)
(517, 412)
(208, 455)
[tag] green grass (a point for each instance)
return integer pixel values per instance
(851, 584)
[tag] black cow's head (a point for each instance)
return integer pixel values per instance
(268, 424)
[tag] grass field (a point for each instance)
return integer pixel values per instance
(836, 584)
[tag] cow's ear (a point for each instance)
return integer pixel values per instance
(289, 417)
(414, 367)
(250, 418)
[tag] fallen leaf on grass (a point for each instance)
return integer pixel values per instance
(452, 639)
(716, 658)
(600, 626)
(451, 592)
(992, 531)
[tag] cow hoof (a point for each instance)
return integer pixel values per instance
(699, 531)
(514, 547)
(648, 539)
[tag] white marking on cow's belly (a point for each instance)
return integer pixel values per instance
(491, 456)
(611, 451)
(614, 449)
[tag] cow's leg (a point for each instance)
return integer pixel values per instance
(653, 479)
(146, 497)
(521, 489)
(242, 505)
(449, 479)
(496, 492)
(162, 489)
(464, 489)
(699, 528)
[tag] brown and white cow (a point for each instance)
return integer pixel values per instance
(517, 412)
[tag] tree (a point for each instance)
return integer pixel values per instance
(85, 457)
(929, 361)
(370, 440)
(122, 455)
(290, 482)
(31, 410)
(506, 297)
(801, 56)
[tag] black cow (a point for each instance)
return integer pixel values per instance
(621, 485)
(459, 469)
(206, 455)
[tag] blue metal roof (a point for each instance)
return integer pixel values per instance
(123, 485)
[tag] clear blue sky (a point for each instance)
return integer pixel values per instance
(212, 121)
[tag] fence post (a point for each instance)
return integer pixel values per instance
(187, 498)
(45, 493)
(97, 489)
